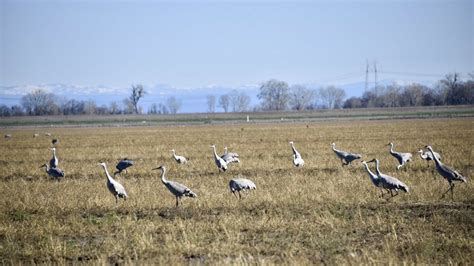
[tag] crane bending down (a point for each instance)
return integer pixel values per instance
(117, 190)
(221, 163)
(230, 157)
(53, 163)
(123, 165)
(56, 173)
(402, 157)
(297, 160)
(238, 184)
(447, 172)
(176, 188)
(389, 183)
(346, 157)
(427, 156)
(179, 159)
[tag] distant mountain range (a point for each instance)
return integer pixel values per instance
(193, 99)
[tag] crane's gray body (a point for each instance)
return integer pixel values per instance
(297, 159)
(346, 157)
(117, 190)
(56, 173)
(123, 165)
(239, 184)
(402, 157)
(220, 163)
(230, 157)
(447, 172)
(388, 182)
(177, 189)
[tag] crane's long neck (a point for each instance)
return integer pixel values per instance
(434, 157)
(371, 175)
(46, 167)
(54, 153)
(225, 150)
(163, 178)
(174, 154)
(295, 152)
(215, 153)
(333, 147)
(377, 167)
(107, 173)
(391, 148)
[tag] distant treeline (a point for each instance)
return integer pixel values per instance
(274, 95)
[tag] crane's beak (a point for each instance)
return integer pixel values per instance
(371, 161)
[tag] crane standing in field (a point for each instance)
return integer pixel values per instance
(53, 163)
(297, 160)
(238, 184)
(123, 165)
(117, 190)
(402, 157)
(179, 159)
(220, 163)
(230, 157)
(177, 189)
(56, 173)
(389, 183)
(427, 156)
(447, 172)
(346, 157)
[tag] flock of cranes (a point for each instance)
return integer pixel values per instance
(380, 180)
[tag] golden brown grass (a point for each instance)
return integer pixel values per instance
(322, 213)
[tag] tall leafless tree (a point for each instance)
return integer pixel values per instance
(224, 102)
(137, 93)
(211, 103)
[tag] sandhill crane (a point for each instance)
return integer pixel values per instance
(35, 135)
(8, 136)
(426, 155)
(400, 156)
(123, 165)
(53, 163)
(221, 164)
(297, 160)
(56, 173)
(230, 157)
(346, 157)
(373, 177)
(389, 183)
(238, 184)
(47, 134)
(117, 190)
(176, 188)
(447, 172)
(179, 159)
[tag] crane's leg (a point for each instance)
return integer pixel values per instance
(452, 192)
(240, 196)
(451, 185)
(116, 199)
(233, 192)
(381, 190)
(177, 202)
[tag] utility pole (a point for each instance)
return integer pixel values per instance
(375, 75)
(367, 75)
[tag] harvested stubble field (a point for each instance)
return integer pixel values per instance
(322, 213)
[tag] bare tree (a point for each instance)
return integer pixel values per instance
(173, 104)
(211, 103)
(224, 102)
(114, 108)
(39, 102)
(137, 93)
(239, 101)
(274, 95)
(301, 97)
(332, 97)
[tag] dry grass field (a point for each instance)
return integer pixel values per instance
(321, 213)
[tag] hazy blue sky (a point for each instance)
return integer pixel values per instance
(195, 44)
